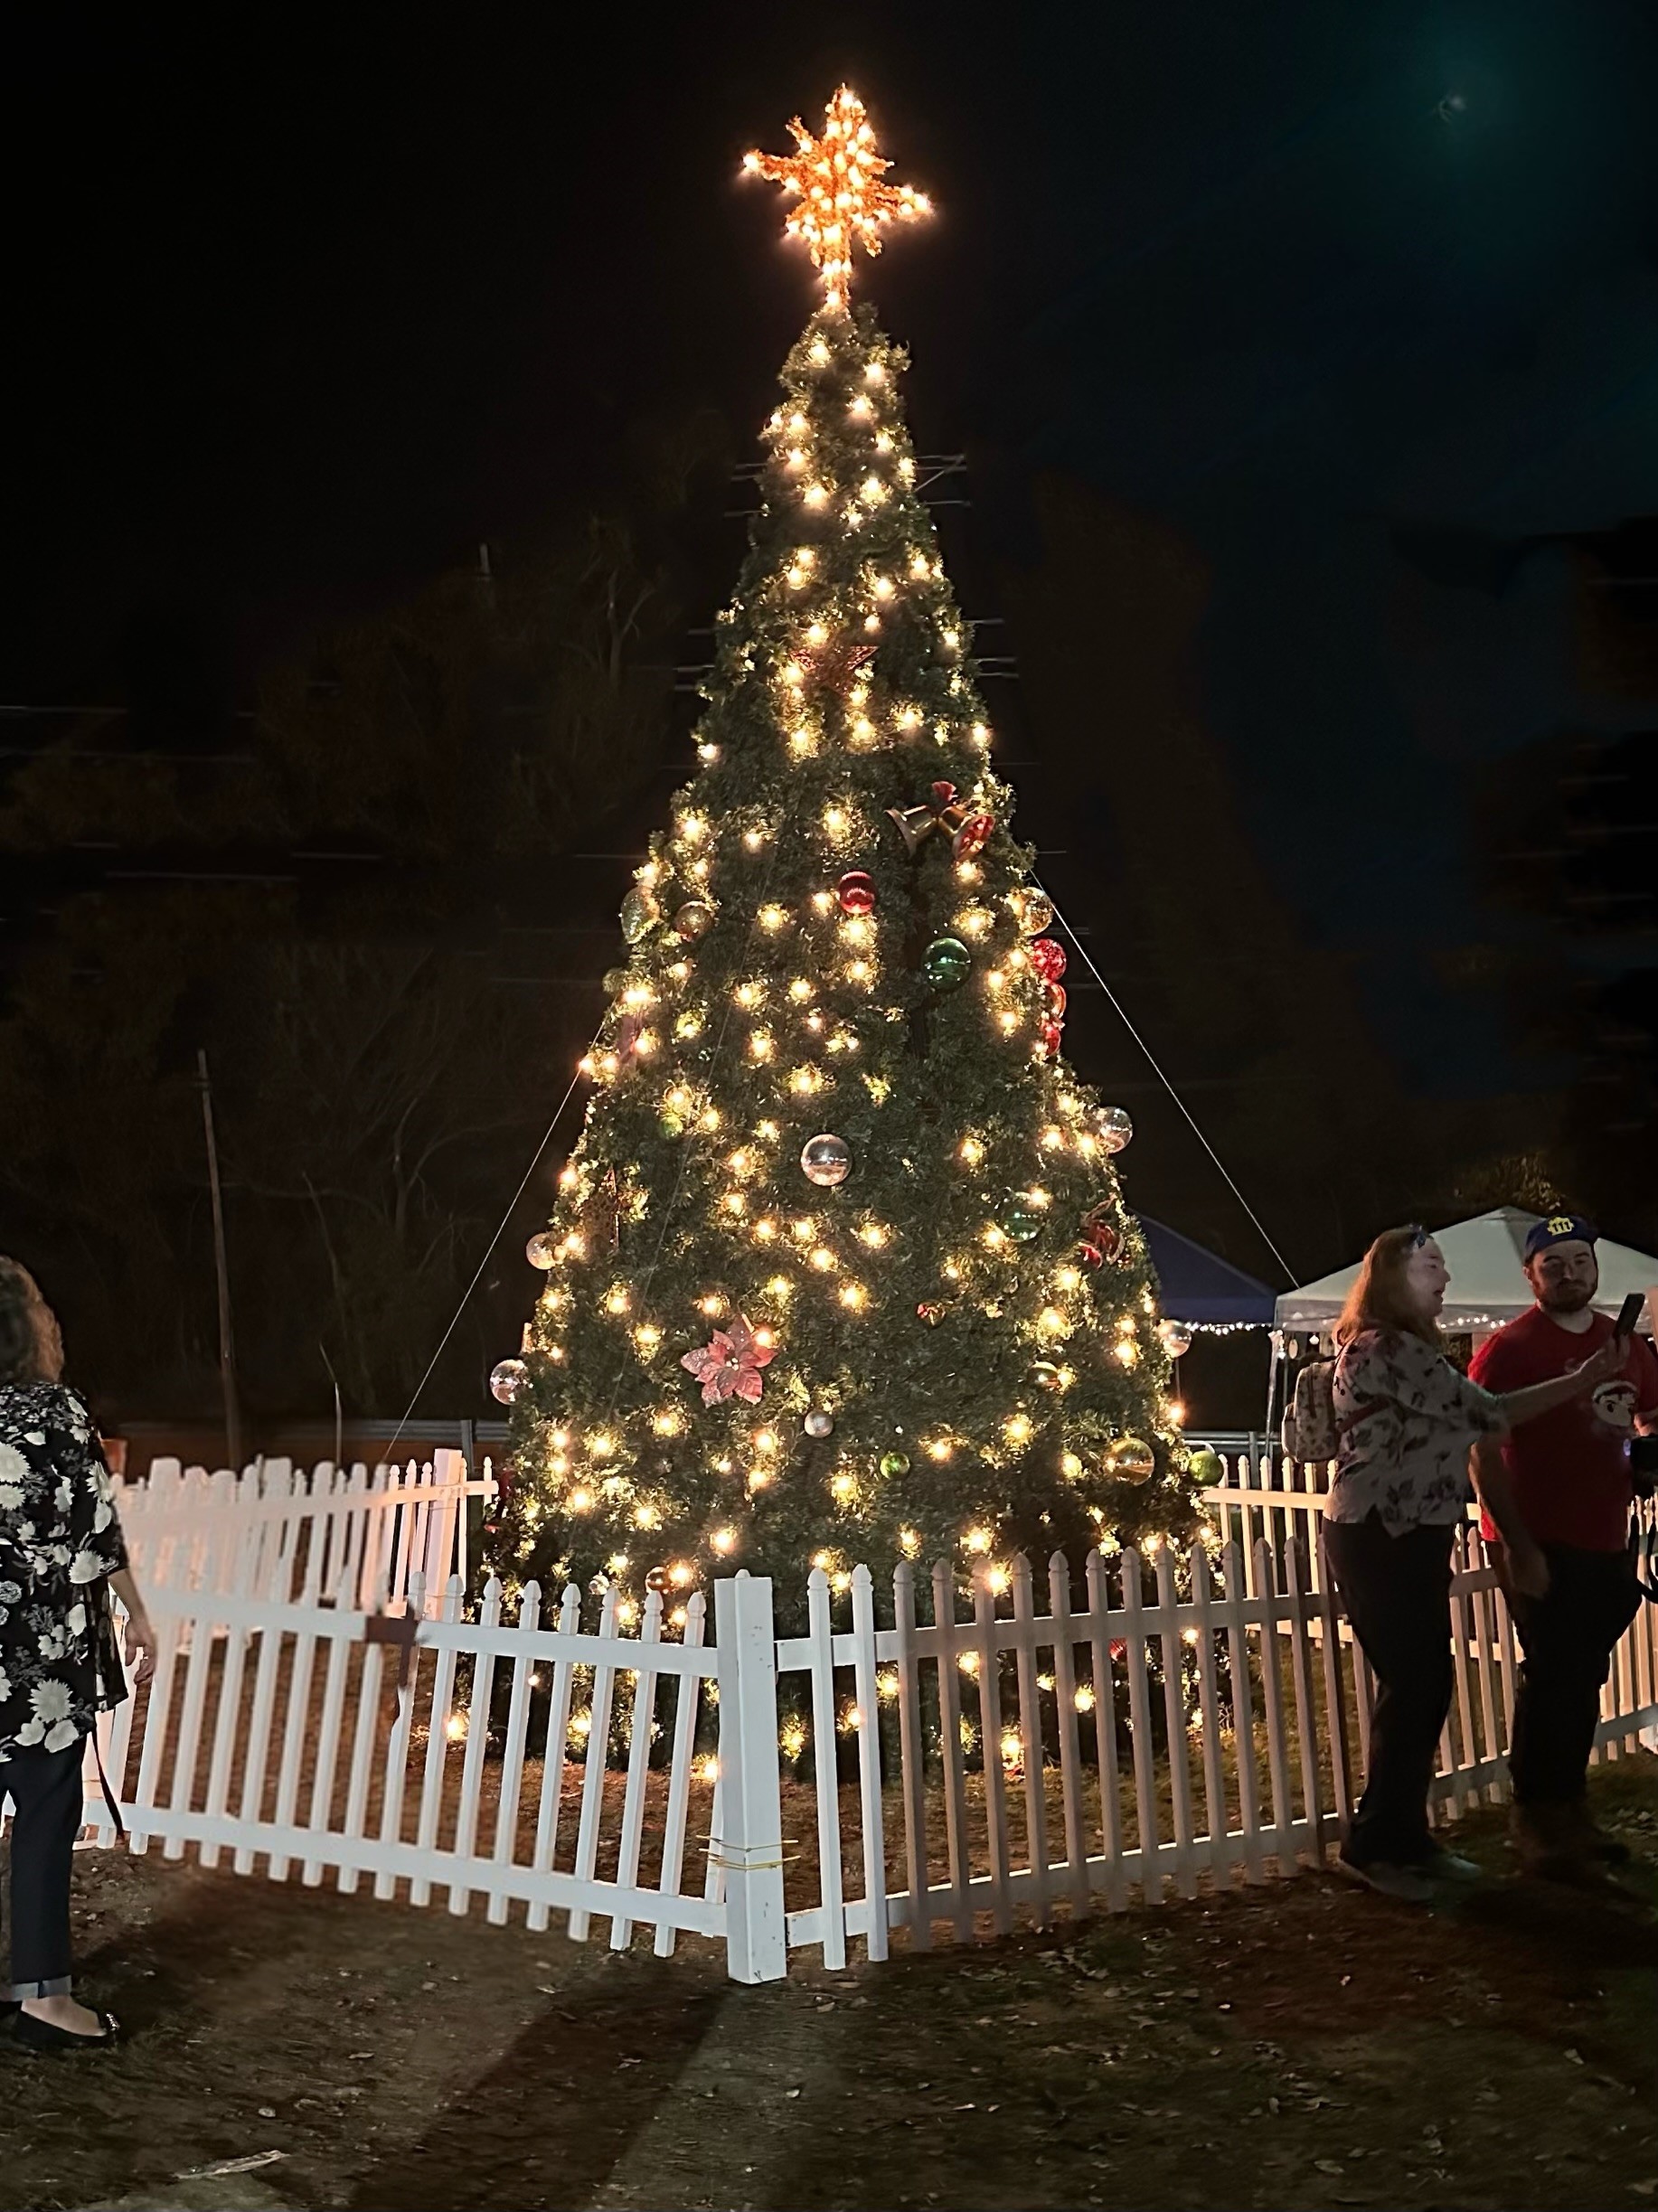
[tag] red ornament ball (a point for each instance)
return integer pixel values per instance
(1055, 996)
(1053, 1034)
(928, 1312)
(1048, 958)
(856, 892)
(1089, 1253)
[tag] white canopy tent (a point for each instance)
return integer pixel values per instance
(1487, 1285)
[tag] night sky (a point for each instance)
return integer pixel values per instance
(1362, 304)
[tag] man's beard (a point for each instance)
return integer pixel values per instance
(1566, 1297)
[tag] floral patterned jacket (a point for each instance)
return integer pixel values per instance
(59, 1542)
(1406, 1418)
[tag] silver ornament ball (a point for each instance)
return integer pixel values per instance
(507, 1377)
(825, 1161)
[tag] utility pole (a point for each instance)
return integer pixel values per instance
(227, 1344)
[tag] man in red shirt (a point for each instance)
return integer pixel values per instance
(1556, 1494)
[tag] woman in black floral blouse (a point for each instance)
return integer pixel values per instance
(1407, 1419)
(61, 1554)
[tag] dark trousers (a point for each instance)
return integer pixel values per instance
(1397, 1591)
(45, 1791)
(1569, 1637)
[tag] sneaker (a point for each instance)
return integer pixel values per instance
(1442, 1866)
(1407, 1885)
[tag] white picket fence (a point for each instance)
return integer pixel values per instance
(1165, 1723)
(278, 1528)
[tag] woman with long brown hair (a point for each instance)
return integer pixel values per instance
(61, 1553)
(1407, 1419)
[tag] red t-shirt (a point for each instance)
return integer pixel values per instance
(1569, 1467)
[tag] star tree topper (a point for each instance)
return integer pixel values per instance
(842, 199)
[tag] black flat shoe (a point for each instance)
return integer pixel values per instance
(42, 2035)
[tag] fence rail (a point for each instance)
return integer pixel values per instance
(1033, 1745)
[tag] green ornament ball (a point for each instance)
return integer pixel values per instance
(672, 1124)
(1204, 1466)
(894, 1463)
(1022, 1220)
(946, 964)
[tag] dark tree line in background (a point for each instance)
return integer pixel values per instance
(378, 906)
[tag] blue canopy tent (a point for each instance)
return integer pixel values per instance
(1201, 1289)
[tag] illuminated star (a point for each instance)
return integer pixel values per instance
(843, 201)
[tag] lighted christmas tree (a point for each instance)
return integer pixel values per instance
(839, 1268)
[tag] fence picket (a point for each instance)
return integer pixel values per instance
(480, 1695)
(640, 1723)
(328, 1736)
(1463, 1794)
(1272, 1704)
(1217, 1825)
(601, 1698)
(1065, 1720)
(513, 1750)
(868, 1734)
(1031, 1741)
(552, 1758)
(1335, 1700)
(689, 1695)
(430, 1812)
(228, 1718)
(369, 1676)
(912, 1756)
(990, 1740)
(1133, 1617)
(398, 1743)
(1484, 1631)
(1104, 1727)
(1234, 1616)
(951, 1749)
(1184, 1859)
(1301, 1681)
(831, 1889)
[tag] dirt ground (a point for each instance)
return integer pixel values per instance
(1301, 2044)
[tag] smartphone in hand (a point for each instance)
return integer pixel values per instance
(1628, 1314)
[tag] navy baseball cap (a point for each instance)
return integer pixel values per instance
(1559, 1229)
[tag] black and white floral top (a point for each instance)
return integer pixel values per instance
(1406, 1418)
(59, 1542)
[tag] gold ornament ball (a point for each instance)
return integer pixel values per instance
(1131, 1460)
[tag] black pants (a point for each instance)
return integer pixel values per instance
(1397, 1590)
(1569, 1637)
(45, 1791)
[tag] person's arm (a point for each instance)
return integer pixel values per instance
(1542, 1397)
(140, 1635)
(1526, 1569)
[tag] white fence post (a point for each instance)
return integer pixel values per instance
(750, 1842)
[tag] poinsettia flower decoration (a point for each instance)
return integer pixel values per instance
(728, 1365)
